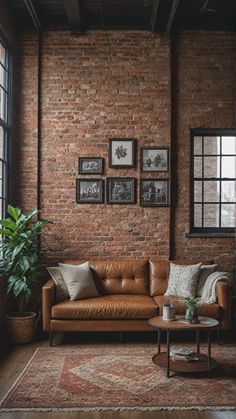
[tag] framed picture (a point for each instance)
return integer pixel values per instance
(90, 165)
(121, 190)
(154, 193)
(121, 152)
(89, 191)
(154, 159)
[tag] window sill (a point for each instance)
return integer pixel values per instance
(211, 235)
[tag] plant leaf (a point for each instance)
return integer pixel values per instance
(18, 287)
(8, 223)
(5, 232)
(14, 212)
(17, 250)
(24, 264)
(31, 214)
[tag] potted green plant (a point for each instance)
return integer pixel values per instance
(20, 263)
(191, 313)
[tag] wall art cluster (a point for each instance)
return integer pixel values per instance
(154, 192)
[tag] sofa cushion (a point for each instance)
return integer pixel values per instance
(207, 310)
(107, 307)
(61, 288)
(79, 281)
(159, 273)
(183, 280)
(205, 271)
(129, 276)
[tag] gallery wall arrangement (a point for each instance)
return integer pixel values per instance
(154, 192)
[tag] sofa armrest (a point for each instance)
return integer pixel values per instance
(48, 300)
(223, 298)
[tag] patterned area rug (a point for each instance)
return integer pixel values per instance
(118, 377)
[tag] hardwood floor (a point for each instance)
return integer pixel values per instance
(13, 363)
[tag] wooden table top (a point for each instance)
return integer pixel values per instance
(181, 324)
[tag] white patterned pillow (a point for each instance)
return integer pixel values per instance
(183, 280)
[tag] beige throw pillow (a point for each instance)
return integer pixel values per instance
(205, 271)
(182, 280)
(61, 288)
(79, 281)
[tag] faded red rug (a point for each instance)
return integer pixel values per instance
(118, 377)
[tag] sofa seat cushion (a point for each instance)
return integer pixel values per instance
(107, 307)
(207, 310)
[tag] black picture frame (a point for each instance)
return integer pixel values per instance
(89, 191)
(154, 192)
(154, 159)
(121, 190)
(91, 165)
(122, 152)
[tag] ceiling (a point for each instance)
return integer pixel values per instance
(163, 16)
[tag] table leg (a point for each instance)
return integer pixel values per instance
(168, 353)
(197, 338)
(209, 349)
(158, 341)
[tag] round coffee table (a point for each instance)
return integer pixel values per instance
(203, 363)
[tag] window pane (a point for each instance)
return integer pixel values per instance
(1, 211)
(211, 215)
(228, 167)
(1, 188)
(197, 191)
(228, 191)
(211, 145)
(1, 142)
(197, 215)
(212, 191)
(211, 167)
(3, 100)
(1, 180)
(228, 145)
(2, 54)
(197, 145)
(228, 215)
(197, 167)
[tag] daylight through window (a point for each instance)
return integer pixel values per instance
(213, 181)
(4, 123)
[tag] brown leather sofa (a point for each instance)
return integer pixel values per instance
(131, 292)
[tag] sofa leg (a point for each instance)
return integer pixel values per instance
(50, 337)
(121, 337)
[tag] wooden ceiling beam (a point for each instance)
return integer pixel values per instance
(72, 9)
(154, 14)
(173, 10)
(33, 14)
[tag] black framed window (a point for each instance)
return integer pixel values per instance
(213, 181)
(4, 122)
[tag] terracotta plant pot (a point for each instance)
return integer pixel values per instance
(21, 329)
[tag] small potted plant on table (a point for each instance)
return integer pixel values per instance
(20, 263)
(191, 313)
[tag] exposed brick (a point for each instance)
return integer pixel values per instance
(117, 84)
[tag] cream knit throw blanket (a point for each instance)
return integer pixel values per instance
(209, 289)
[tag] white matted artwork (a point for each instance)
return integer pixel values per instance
(121, 152)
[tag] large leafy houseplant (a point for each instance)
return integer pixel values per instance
(20, 254)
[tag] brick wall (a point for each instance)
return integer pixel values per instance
(102, 85)
(117, 84)
(206, 97)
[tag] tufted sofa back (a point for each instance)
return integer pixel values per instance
(129, 276)
(159, 273)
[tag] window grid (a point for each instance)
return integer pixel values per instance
(4, 123)
(201, 228)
